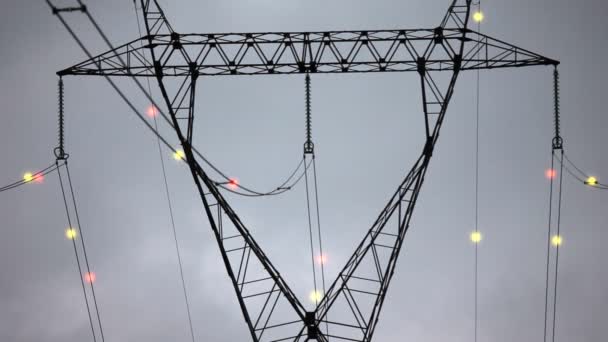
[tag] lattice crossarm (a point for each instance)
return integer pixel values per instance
(130, 59)
(485, 52)
(320, 52)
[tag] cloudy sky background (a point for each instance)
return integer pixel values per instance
(367, 130)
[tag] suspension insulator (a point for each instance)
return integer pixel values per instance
(557, 140)
(60, 149)
(309, 147)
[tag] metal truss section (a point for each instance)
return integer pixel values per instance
(457, 14)
(156, 21)
(350, 309)
(270, 308)
(301, 52)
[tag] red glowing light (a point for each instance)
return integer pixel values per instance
(38, 178)
(152, 111)
(550, 173)
(233, 183)
(90, 277)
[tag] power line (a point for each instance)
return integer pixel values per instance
(34, 176)
(86, 258)
(585, 176)
(80, 273)
(322, 256)
(84, 263)
(557, 246)
(169, 203)
(280, 190)
(548, 246)
(312, 248)
(476, 280)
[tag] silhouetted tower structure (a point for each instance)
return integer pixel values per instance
(437, 56)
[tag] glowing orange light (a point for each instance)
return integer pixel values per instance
(179, 155)
(152, 111)
(550, 173)
(28, 177)
(233, 183)
(322, 259)
(71, 233)
(90, 277)
(316, 296)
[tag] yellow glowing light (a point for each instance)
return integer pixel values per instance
(28, 177)
(316, 296)
(71, 233)
(179, 155)
(478, 16)
(557, 240)
(476, 237)
(591, 181)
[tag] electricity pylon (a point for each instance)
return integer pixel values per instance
(438, 55)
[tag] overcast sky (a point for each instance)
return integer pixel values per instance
(367, 131)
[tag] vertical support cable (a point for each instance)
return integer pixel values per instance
(559, 217)
(549, 245)
(476, 280)
(78, 263)
(84, 250)
(312, 248)
(322, 256)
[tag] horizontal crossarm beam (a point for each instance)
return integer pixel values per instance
(293, 53)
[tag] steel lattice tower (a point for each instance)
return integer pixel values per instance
(438, 55)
